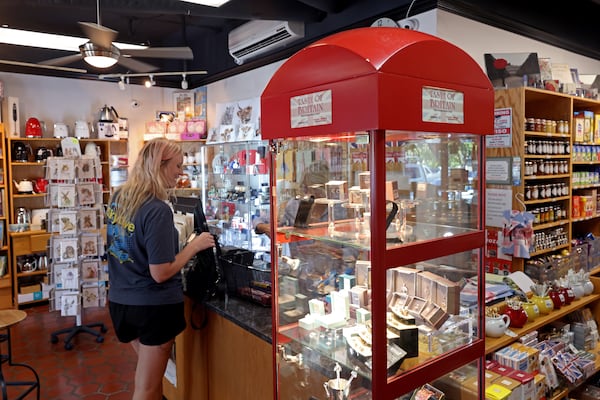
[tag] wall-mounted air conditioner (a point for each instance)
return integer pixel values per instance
(259, 36)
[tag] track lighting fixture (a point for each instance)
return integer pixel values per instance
(184, 83)
(122, 83)
(150, 82)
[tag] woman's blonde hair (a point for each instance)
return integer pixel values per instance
(146, 179)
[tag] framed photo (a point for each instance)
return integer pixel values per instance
(88, 220)
(67, 222)
(85, 194)
(200, 100)
(512, 69)
(66, 196)
(90, 270)
(89, 245)
(184, 104)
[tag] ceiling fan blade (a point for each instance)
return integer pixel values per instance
(62, 60)
(98, 34)
(180, 53)
(136, 65)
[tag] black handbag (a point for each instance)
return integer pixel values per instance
(202, 276)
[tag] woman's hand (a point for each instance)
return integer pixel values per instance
(203, 241)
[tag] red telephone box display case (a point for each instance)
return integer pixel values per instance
(377, 145)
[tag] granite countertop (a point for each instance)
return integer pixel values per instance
(250, 316)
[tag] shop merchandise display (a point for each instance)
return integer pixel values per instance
(392, 191)
(76, 271)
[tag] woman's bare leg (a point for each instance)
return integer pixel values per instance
(151, 366)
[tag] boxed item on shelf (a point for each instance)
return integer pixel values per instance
(513, 386)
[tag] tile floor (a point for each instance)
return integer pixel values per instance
(91, 370)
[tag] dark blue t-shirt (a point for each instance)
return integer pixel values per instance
(151, 238)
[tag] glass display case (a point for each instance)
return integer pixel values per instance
(377, 216)
(237, 192)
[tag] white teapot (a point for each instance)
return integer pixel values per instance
(496, 326)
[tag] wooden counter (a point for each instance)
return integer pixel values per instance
(231, 358)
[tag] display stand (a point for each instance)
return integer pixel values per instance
(373, 309)
(75, 219)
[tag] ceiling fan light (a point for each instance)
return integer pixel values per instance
(99, 57)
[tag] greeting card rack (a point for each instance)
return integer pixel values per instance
(76, 247)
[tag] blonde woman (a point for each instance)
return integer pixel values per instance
(146, 294)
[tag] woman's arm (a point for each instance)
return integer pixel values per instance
(165, 271)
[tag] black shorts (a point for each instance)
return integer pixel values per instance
(152, 325)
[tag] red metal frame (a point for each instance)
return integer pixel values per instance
(376, 77)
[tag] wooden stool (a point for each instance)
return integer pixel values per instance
(9, 318)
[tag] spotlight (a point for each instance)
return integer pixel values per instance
(184, 83)
(150, 82)
(122, 83)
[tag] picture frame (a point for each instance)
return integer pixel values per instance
(183, 104)
(200, 101)
(507, 70)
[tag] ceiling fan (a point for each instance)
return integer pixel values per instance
(100, 51)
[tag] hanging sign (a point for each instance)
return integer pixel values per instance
(311, 109)
(443, 106)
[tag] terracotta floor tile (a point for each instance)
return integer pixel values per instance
(90, 370)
